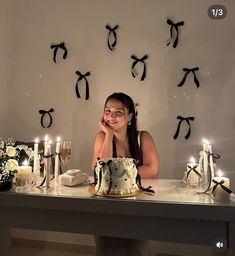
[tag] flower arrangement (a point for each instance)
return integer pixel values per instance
(9, 156)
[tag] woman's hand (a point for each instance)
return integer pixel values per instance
(105, 127)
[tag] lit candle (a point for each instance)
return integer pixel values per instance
(205, 158)
(24, 171)
(36, 158)
(46, 139)
(220, 185)
(57, 150)
(48, 169)
(193, 172)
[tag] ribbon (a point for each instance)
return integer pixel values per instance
(82, 76)
(43, 113)
(222, 186)
(214, 156)
(175, 26)
(188, 70)
(193, 169)
(187, 119)
(136, 60)
(56, 47)
(138, 181)
(113, 32)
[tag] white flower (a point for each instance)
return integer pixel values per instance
(1, 144)
(11, 164)
(11, 151)
(1, 152)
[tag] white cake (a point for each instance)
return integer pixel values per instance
(116, 176)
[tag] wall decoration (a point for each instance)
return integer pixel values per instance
(175, 27)
(136, 60)
(81, 77)
(187, 71)
(112, 34)
(187, 119)
(43, 113)
(56, 47)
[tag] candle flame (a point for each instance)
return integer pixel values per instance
(220, 174)
(192, 160)
(205, 141)
(25, 163)
(46, 138)
(36, 140)
(58, 139)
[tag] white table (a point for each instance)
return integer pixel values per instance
(175, 214)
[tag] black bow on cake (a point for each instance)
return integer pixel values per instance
(81, 77)
(187, 71)
(136, 60)
(43, 113)
(174, 26)
(56, 47)
(112, 32)
(187, 119)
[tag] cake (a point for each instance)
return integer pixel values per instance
(117, 176)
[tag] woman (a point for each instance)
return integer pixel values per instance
(119, 137)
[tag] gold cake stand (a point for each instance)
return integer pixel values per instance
(92, 191)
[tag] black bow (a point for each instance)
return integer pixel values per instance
(187, 119)
(81, 76)
(138, 181)
(188, 70)
(43, 113)
(112, 30)
(174, 25)
(222, 186)
(136, 60)
(102, 164)
(56, 47)
(193, 169)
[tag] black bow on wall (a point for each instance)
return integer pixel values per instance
(43, 113)
(81, 77)
(56, 47)
(187, 71)
(112, 32)
(136, 60)
(174, 26)
(187, 119)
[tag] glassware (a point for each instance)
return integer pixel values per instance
(65, 152)
(25, 183)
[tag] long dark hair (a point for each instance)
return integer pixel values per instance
(132, 132)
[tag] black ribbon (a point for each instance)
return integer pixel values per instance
(102, 163)
(113, 32)
(82, 76)
(148, 189)
(174, 26)
(56, 47)
(187, 119)
(136, 60)
(188, 70)
(43, 113)
(222, 186)
(193, 169)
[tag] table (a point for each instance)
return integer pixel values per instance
(174, 213)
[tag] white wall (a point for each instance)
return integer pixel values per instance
(30, 81)
(34, 82)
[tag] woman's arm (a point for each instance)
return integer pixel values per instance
(150, 167)
(103, 146)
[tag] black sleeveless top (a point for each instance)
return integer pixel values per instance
(115, 149)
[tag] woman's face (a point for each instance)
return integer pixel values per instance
(116, 114)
